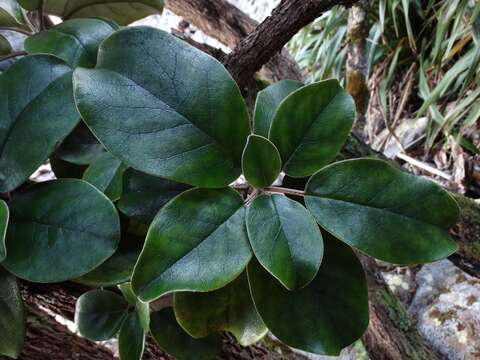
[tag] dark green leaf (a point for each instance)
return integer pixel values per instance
(197, 242)
(122, 11)
(176, 114)
(99, 314)
(311, 125)
(106, 174)
(261, 162)
(11, 14)
(60, 230)
(227, 309)
(285, 239)
(174, 340)
(5, 47)
(268, 101)
(324, 317)
(36, 113)
(131, 339)
(74, 41)
(4, 215)
(64, 169)
(12, 317)
(384, 212)
(143, 195)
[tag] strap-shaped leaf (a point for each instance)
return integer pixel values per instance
(285, 239)
(4, 215)
(311, 125)
(122, 11)
(143, 195)
(322, 318)
(5, 47)
(382, 211)
(74, 41)
(60, 230)
(268, 101)
(106, 174)
(176, 114)
(131, 339)
(197, 242)
(11, 14)
(12, 316)
(227, 309)
(99, 314)
(36, 94)
(261, 162)
(171, 338)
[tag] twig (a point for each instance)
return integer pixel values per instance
(282, 190)
(13, 54)
(423, 166)
(41, 12)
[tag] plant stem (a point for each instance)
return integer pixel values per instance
(282, 190)
(22, 31)
(13, 54)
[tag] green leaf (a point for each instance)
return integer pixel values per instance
(99, 314)
(4, 215)
(227, 309)
(197, 242)
(324, 317)
(74, 41)
(60, 230)
(261, 162)
(131, 339)
(80, 147)
(36, 94)
(106, 174)
(12, 316)
(5, 47)
(311, 125)
(142, 308)
(176, 114)
(123, 12)
(143, 195)
(268, 101)
(11, 14)
(171, 338)
(65, 169)
(285, 239)
(382, 211)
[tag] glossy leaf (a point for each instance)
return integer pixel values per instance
(74, 41)
(382, 211)
(227, 309)
(4, 216)
(143, 195)
(106, 174)
(268, 101)
(311, 125)
(58, 221)
(5, 47)
(261, 162)
(36, 94)
(156, 123)
(131, 339)
(171, 338)
(197, 242)
(99, 314)
(12, 316)
(11, 14)
(322, 318)
(285, 239)
(122, 11)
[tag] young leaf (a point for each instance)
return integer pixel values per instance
(285, 239)
(311, 125)
(152, 120)
(74, 41)
(197, 242)
(11, 14)
(143, 195)
(268, 101)
(261, 162)
(12, 316)
(131, 339)
(4, 215)
(171, 338)
(106, 174)
(322, 318)
(382, 211)
(227, 309)
(36, 113)
(99, 314)
(60, 230)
